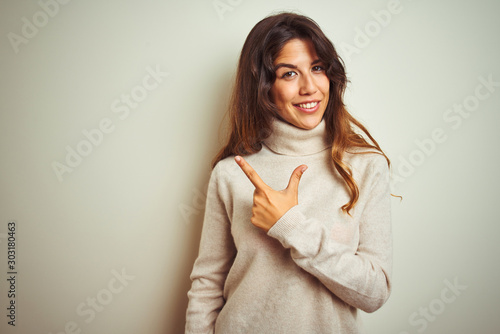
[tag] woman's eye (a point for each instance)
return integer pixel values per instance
(289, 74)
(318, 68)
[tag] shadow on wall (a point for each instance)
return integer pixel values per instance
(191, 214)
(179, 298)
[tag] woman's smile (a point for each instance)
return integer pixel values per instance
(308, 107)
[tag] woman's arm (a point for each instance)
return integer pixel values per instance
(216, 255)
(361, 278)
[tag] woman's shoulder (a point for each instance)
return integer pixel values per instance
(365, 160)
(229, 166)
(226, 169)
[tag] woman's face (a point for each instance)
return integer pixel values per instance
(301, 88)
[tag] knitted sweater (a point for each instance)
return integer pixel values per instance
(316, 265)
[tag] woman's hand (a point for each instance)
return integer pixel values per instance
(268, 204)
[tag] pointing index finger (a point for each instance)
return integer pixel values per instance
(250, 173)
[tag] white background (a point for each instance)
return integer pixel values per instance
(134, 203)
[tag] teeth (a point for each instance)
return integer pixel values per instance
(308, 105)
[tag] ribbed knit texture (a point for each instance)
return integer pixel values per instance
(315, 267)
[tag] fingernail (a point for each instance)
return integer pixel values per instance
(304, 169)
(237, 158)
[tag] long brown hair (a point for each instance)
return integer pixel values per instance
(251, 108)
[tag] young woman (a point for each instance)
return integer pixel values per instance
(284, 250)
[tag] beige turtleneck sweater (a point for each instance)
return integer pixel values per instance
(315, 267)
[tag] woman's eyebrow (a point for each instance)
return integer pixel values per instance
(280, 65)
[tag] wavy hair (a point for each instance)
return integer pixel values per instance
(251, 108)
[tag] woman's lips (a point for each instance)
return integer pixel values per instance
(303, 107)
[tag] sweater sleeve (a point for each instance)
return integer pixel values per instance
(215, 257)
(360, 278)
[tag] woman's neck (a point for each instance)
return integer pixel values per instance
(287, 139)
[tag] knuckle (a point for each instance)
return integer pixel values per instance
(251, 173)
(267, 196)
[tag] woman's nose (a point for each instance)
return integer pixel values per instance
(307, 85)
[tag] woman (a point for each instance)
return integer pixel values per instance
(305, 258)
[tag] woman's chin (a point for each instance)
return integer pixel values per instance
(306, 122)
(309, 123)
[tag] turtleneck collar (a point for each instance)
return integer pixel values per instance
(288, 139)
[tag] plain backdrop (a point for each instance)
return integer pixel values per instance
(110, 114)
